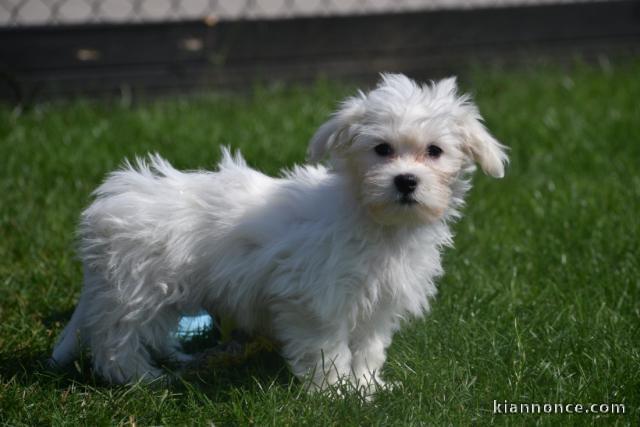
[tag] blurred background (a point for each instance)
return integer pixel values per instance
(58, 48)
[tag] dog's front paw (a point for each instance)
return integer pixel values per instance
(391, 386)
(371, 385)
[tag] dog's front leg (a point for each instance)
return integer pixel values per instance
(368, 358)
(369, 342)
(317, 353)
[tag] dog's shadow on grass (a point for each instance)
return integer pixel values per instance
(28, 364)
(261, 370)
(252, 362)
(219, 376)
(22, 366)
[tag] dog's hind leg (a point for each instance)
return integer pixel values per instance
(129, 342)
(72, 337)
(119, 350)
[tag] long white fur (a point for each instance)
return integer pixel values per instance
(324, 260)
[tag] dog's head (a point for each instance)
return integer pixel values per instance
(408, 147)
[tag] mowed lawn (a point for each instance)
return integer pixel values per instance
(540, 302)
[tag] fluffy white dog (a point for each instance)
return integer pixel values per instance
(326, 261)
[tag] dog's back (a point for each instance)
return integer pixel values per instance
(137, 240)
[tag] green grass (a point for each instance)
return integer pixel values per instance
(540, 301)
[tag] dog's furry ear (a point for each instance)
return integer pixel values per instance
(336, 132)
(482, 146)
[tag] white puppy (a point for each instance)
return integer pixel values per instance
(326, 260)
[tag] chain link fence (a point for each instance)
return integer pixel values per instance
(16, 13)
(55, 48)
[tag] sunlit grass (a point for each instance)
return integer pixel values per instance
(540, 301)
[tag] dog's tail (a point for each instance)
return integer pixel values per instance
(68, 346)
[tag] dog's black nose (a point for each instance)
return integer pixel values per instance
(406, 183)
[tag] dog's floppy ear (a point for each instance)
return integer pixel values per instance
(336, 132)
(483, 148)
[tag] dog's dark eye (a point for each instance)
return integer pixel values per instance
(384, 149)
(434, 151)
